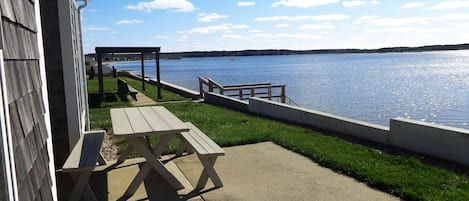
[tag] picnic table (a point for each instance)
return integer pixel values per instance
(136, 124)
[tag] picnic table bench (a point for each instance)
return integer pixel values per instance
(123, 89)
(82, 161)
(207, 152)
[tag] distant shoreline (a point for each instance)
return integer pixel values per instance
(273, 52)
(178, 55)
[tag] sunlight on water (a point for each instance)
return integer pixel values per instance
(429, 86)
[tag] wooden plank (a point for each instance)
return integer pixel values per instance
(137, 121)
(120, 122)
(207, 144)
(7, 10)
(73, 159)
(91, 146)
(85, 153)
(173, 122)
(189, 137)
(155, 121)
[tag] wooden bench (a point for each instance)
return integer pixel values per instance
(81, 163)
(123, 89)
(207, 152)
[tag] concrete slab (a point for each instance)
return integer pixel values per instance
(111, 184)
(266, 171)
(142, 100)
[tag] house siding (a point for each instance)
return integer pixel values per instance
(24, 98)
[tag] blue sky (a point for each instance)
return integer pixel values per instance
(199, 25)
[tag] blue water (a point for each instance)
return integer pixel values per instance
(428, 86)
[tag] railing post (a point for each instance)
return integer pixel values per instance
(282, 98)
(269, 93)
(201, 88)
(222, 91)
(240, 94)
(210, 86)
(252, 92)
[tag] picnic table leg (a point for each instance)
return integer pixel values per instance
(208, 172)
(81, 186)
(124, 155)
(183, 147)
(152, 161)
(101, 160)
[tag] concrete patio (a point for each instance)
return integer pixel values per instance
(263, 171)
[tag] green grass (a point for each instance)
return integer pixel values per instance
(401, 175)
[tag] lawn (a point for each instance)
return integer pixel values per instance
(400, 174)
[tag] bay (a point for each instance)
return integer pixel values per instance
(426, 86)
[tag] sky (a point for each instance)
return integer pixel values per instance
(209, 25)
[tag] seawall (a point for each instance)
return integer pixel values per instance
(443, 142)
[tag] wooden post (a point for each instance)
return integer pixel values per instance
(143, 71)
(283, 96)
(269, 93)
(252, 92)
(201, 87)
(100, 75)
(240, 94)
(210, 86)
(158, 80)
(114, 72)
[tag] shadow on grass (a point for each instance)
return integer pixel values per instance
(95, 99)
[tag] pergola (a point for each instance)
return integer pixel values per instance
(142, 50)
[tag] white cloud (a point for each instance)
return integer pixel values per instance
(450, 5)
(450, 17)
(174, 5)
(316, 27)
(246, 3)
(212, 29)
(282, 25)
(303, 3)
(232, 36)
(375, 2)
(420, 30)
(286, 35)
(413, 5)
(129, 22)
(353, 3)
(255, 31)
(95, 28)
(161, 36)
(330, 17)
(211, 17)
(389, 21)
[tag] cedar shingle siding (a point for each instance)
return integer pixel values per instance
(26, 106)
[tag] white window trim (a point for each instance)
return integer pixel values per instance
(45, 98)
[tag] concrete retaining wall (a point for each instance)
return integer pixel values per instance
(373, 132)
(440, 141)
(444, 142)
(182, 91)
(225, 101)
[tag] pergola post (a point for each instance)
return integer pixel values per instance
(141, 50)
(100, 74)
(157, 57)
(143, 70)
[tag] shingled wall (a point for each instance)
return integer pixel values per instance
(25, 102)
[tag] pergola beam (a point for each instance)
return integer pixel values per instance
(141, 50)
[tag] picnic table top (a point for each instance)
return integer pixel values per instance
(142, 121)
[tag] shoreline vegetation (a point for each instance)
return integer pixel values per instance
(272, 52)
(407, 175)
